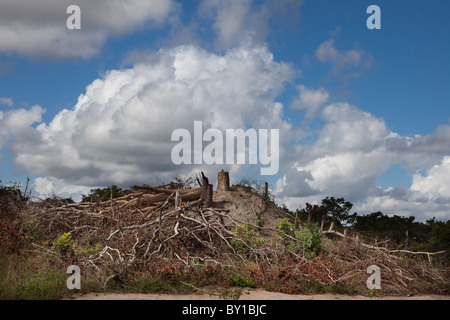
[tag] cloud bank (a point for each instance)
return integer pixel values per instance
(37, 29)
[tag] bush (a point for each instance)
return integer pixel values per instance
(31, 230)
(308, 238)
(287, 234)
(238, 280)
(311, 237)
(64, 243)
(247, 239)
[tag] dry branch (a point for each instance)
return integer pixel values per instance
(356, 239)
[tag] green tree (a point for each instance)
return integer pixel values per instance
(395, 227)
(338, 209)
(103, 194)
(439, 235)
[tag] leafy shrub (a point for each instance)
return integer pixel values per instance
(311, 237)
(247, 239)
(88, 249)
(238, 280)
(287, 234)
(64, 243)
(31, 230)
(308, 238)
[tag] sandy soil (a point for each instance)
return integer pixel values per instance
(257, 294)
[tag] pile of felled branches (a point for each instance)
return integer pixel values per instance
(180, 224)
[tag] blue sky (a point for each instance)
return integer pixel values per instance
(364, 113)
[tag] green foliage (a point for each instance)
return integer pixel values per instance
(88, 249)
(308, 238)
(338, 209)
(31, 278)
(47, 284)
(260, 221)
(103, 194)
(68, 200)
(311, 237)
(247, 238)
(429, 236)
(227, 294)
(287, 234)
(64, 243)
(238, 280)
(31, 230)
(286, 226)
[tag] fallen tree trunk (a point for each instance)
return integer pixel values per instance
(163, 190)
(150, 199)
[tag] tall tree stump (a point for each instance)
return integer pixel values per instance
(209, 197)
(322, 224)
(312, 213)
(205, 183)
(223, 181)
(266, 191)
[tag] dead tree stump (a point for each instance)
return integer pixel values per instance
(345, 234)
(223, 181)
(312, 213)
(266, 191)
(205, 183)
(322, 224)
(331, 227)
(209, 196)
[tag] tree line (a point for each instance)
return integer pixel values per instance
(431, 235)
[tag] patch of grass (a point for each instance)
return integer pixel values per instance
(156, 284)
(31, 279)
(230, 294)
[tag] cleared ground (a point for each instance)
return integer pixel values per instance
(250, 295)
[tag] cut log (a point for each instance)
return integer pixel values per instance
(163, 190)
(194, 195)
(151, 199)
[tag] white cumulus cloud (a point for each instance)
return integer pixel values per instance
(352, 149)
(37, 29)
(44, 187)
(120, 129)
(310, 100)
(435, 184)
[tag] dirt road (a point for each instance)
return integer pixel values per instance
(250, 295)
